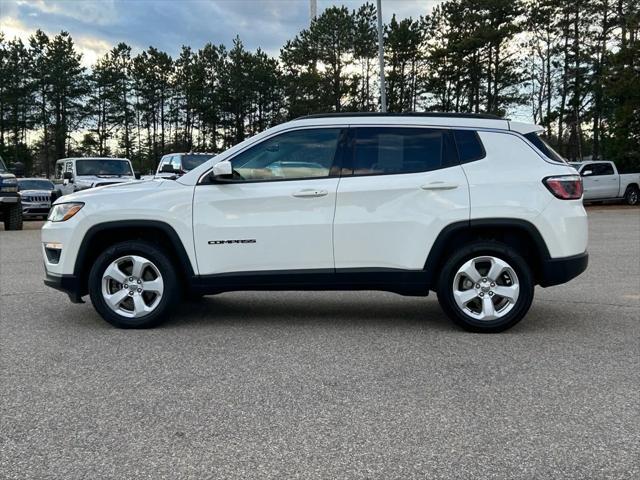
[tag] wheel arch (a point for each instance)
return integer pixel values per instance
(101, 236)
(519, 234)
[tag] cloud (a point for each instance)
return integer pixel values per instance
(168, 24)
(103, 12)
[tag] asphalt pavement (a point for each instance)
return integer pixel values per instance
(311, 385)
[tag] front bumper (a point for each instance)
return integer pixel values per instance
(68, 284)
(35, 210)
(560, 270)
(9, 198)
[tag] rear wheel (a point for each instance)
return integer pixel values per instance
(632, 195)
(13, 217)
(133, 285)
(487, 287)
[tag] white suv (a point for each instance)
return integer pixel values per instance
(475, 208)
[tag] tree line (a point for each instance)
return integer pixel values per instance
(573, 66)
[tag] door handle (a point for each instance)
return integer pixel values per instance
(439, 186)
(310, 192)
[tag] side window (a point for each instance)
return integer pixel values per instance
(68, 167)
(469, 146)
(597, 169)
(176, 162)
(382, 150)
(298, 154)
(606, 169)
(163, 161)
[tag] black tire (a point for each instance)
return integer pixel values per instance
(13, 217)
(502, 252)
(171, 294)
(632, 195)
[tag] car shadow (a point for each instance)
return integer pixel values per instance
(312, 308)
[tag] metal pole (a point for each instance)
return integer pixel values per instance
(383, 93)
(313, 10)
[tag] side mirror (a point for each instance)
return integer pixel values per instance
(586, 173)
(137, 175)
(68, 176)
(222, 169)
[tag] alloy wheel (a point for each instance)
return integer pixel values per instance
(132, 286)
(486, 288)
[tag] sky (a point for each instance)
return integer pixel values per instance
(96, 26)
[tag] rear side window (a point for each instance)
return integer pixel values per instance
(469, 146)
(544, 147)
(381, 150)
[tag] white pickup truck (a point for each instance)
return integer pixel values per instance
(603, 182)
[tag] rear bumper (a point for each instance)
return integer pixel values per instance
(560, 270)
(68, 284)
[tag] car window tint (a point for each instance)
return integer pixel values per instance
(542, 145)
(189, 162)
(469, 146)
(605, 169)
(598, 169)
(297, 154)
(379, 150)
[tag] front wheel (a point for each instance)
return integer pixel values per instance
(486, 287)
(13, 217)
(632, 196)
(133, 285)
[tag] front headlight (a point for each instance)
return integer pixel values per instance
(64, 211)
(9, 185)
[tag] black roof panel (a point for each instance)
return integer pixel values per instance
(486, 116)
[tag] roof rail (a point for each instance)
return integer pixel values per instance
(486, 116)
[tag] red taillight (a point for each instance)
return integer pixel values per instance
(568, 187)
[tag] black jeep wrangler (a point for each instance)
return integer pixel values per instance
(10, 205)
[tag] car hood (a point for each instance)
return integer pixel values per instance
(128, 187)
(94, 179)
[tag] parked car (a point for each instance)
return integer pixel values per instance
(174, 165)
(602, 182)
(463, 205)
(75, 174)
(36, 195)
(10, 208)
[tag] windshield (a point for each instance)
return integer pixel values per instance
(544, 147)
(35, 185)
(3, 167)
(189, 162)
(103, 167)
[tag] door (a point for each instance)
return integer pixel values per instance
(67, 186)
(276, 212)
(599, 180)
(399, 188)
